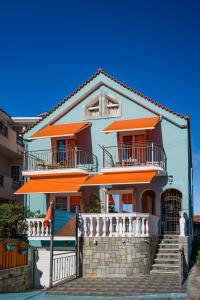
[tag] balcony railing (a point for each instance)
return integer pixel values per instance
(119, 224)
(53, 159)
(19, 140)
(146, 154)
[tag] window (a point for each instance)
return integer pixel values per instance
(103, 105)
(3, 128)
(111, 107)
(1, 180)
(15, 173)
(93, 108)
(61, 150)
(61, 203)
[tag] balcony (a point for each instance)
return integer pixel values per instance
(48, 160)
(136, 155)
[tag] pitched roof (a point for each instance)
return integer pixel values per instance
(101, 71)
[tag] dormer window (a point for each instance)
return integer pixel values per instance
(112, 107)
(93, 109)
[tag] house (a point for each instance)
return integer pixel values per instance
(11, 154)
(109, 143)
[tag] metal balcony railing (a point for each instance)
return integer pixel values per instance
(146, 154)
(53, 159)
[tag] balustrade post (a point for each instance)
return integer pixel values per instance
(117, 226)
(143, 226)
(85, 226)
(30, 228)
(138, 225)
(91, 227)
(110, 226)
(129, 226)
(123, 226)
(120, 226)
(97, 226)
(104, 226)
(147, 227)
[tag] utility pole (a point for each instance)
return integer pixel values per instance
(51, 248)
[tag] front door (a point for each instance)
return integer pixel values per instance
(170, 209)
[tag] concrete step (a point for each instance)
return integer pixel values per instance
(168, 236)
(163, 272)
(165, 261)
(167, 255)
(167, 250)
(169, 241)
(165, 267)
(168, 246)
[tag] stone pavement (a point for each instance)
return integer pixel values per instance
(194, 282)
(153, 284)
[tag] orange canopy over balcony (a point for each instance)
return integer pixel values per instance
(59, 130)
(121, 178)
(52, 184)
(132, 124)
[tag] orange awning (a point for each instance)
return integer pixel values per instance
(132, 124)
(52, 184)
(59, 130)
(121, 178)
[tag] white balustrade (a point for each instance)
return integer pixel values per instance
(105, 224)
(36, 228)
(119, 224)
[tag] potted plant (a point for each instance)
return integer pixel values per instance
(10, 246)
(23, 248)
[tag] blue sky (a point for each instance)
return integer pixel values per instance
(48, 48)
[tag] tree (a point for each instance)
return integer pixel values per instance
(95, 204)
(10, 215)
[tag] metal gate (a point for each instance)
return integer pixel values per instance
(64, 266)
(170, 209)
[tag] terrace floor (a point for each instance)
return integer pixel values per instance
(144, 285)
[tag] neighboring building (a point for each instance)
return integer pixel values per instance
(11, 154)
(109, 140)
(21, 124)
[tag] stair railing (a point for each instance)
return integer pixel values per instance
(181, 266)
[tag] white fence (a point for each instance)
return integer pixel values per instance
(124, 224)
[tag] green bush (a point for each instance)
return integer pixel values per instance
(10, 215)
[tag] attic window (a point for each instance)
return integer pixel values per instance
(112, 107)
(93, 109)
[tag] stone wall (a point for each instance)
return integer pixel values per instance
(15, 279)
(117, 256)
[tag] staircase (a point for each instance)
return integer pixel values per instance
(167, 256)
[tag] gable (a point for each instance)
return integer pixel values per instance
(112, 87)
